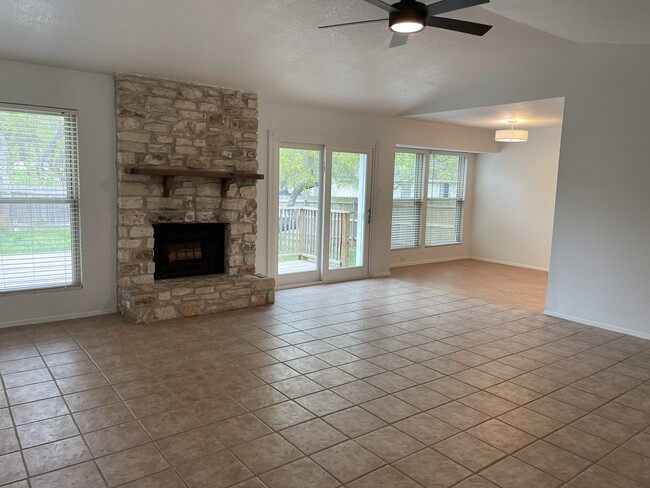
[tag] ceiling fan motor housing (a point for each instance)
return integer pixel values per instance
(408, 11)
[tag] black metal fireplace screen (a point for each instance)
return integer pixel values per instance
(188, 250)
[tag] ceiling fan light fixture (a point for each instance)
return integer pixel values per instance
(407, 21)
(512, 134)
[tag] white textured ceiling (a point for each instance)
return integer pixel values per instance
(606, 21)
(273, 47)
(528, 115)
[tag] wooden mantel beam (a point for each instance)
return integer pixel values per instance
(168, 174)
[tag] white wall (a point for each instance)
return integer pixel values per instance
(324, 125)
(600, 258)
(514, 201)
(92, 96)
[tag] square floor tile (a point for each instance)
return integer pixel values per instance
(11, 468)
(458, 415)
(386, 477)
(266, 453)
(102, 417)
(299, 474)
(451, 387)
(390, 408)
(487, 403)
(531, 422)
(323, 402)
(501, 435)
(354, 421)
(580, 443)
(476, 482)
(514, 393)
(169, 423)
(390, 382)
(216, 470)
(358, 391)
(477, 378)
(604, 428)
(347, 461)
(468, 451)
(283, 415)
(313, 436)
(432, 470)
(260, 397)
(238, 429)
(512, 473)
(599, 477)
(390, 444)
(131, 464)
(623, 415)
(422, 397)
(164, 479)
(45, 431)
(84, 475)
(553, 460)
(639, 444)
(629, 464)
(188, 446)
(297, 386)
(426, 428)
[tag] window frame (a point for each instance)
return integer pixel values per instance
(72, 198)
(426, 158)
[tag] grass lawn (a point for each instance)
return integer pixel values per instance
(34, 242)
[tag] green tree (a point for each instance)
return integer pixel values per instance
(300, 171)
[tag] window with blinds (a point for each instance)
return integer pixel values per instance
(39, 199)
(428, 214)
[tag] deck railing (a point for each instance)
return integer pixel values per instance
(298, 234)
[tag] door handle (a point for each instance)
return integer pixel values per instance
(369, 218)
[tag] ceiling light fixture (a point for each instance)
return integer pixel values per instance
(407, 20)
(512, 134)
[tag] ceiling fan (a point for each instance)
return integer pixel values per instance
(409, 16)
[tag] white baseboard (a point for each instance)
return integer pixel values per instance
(509, 263)
(383, 274)
(428, 261)
(600, 325)
(56, 318)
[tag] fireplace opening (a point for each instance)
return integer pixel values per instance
(188, 250)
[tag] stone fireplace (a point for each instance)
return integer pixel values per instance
(187, 210)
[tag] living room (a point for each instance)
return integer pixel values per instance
(346, 88)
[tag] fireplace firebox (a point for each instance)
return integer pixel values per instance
(188, 250)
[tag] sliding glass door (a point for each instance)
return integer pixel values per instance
(323, 213)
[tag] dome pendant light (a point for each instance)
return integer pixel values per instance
(512, 134)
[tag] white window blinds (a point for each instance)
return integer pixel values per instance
(428, 214)
(408, 186)
(39, 199)
(445, 197)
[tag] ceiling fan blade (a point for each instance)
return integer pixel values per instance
(383, 5)
(352, 23)
(445, 6)
(398, 40)
(458, 25)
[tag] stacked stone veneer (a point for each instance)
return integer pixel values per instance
(168, 124)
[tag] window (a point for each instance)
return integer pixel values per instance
(39, 199)
(428, 214)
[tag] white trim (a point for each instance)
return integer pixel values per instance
(600, 325)
(509, 263)
(428, 261)
(55, 318)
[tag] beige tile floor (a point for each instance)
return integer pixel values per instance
(368, 384)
